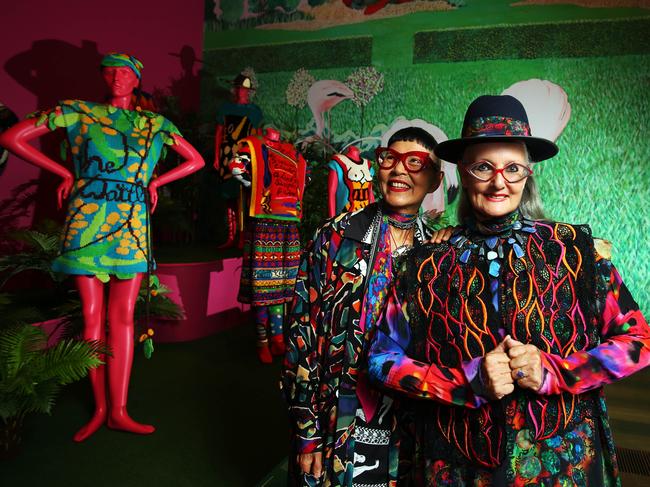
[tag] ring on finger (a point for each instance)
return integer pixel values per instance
(520, 374)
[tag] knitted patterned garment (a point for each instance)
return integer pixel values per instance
(114, 152)
(543, 283)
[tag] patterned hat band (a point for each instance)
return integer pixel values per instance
(496, 126)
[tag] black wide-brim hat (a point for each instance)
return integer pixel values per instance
(500, 118)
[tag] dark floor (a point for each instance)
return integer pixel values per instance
(219, 416)
(220, 422)
(628, 402)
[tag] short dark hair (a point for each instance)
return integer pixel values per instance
(414, 134)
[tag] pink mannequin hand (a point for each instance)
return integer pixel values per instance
(63, 190)
(153, 195)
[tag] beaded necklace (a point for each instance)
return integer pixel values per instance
(401, 221)
(492, 240)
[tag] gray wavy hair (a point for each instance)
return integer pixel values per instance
(530, 206)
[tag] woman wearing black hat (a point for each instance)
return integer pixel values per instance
(511, 328)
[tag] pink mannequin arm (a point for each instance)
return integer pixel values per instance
(332, 185)
(193, 162)
(16, 141)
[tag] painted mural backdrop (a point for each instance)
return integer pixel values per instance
(333, 73)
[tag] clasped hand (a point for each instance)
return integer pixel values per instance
(510, 363)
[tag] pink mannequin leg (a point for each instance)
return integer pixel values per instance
(93, 308)
(121, 304)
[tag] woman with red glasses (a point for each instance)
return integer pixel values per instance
(508, 331)
(341, 427)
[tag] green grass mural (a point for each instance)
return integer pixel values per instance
(602, 173)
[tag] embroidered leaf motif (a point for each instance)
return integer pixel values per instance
(110, 261)
(65, 120)
(148, 347)
(141, 122)
(87, 261)
(89, 234)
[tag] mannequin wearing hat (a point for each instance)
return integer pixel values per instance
(236, 120)
(509, 330)
(105, 242)
(349, 182)
(276, 172)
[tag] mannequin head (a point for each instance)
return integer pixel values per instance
(353, 153)
(121, 81)
(242, 86)
(122, 74)
(272, 135)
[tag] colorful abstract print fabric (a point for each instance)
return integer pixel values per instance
(326, 345)
(239, 121)
(277, 172)
(114, 152)
(270, 262)
(559, 295)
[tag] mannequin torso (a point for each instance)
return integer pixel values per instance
(349, 182)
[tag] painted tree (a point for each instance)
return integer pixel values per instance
(297, 89)
(365, 83)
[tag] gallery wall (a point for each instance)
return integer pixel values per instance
(343, 72)
(51, 51)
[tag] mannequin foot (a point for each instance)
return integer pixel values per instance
(277, 345)
(96, 422)
(123, 422)
(264, 354)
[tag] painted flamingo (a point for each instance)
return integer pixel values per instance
(546, 104)
(324, 95)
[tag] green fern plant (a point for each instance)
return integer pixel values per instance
(31, 375)
(40, 249)
(39, 303)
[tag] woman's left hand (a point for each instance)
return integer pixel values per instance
(525, 364)
(153, 195)
(441, 235)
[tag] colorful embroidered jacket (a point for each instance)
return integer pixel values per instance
(542, 283)
(325, 344)
(239, 120)
(277, 174)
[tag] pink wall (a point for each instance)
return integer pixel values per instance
(207, 294)
(50, 50)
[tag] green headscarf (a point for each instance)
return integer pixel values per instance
(120, 59)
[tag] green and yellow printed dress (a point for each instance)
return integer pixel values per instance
(114, 152)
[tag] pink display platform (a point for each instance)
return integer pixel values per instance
(207, 293)
(52, 329)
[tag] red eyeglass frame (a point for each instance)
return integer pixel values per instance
(497, 171)
(401, 157)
